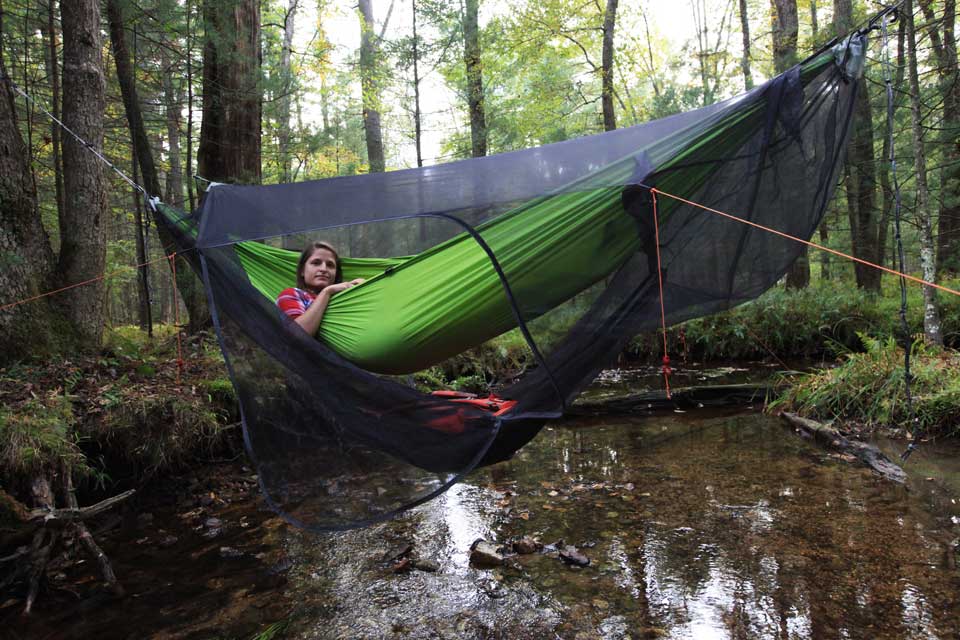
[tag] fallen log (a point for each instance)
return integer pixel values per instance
(724, 395)
(832, 439)
(51, 517)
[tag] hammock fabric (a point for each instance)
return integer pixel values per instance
(570, 227)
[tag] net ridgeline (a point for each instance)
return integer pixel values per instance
(338, 433)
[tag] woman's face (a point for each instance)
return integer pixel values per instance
(320, 270)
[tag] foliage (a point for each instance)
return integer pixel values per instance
(868, 388)
(826, 319)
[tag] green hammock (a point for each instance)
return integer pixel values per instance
(416, 311)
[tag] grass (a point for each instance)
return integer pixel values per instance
(868, 389)
(826, 319)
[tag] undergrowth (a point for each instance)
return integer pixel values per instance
(868, 389)
(825, 319)
(127, 404)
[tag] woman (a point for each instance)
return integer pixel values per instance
(319, 278)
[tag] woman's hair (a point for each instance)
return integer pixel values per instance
(308, 253)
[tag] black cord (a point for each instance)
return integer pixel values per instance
(906, 342)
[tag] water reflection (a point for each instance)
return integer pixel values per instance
(723, 527)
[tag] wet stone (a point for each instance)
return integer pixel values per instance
(398, 551)
(404, 565)
(526, 545)
(572, 556)
(485, 554)
(168, 541)
(425, 564)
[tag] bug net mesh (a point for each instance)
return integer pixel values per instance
(337, 445)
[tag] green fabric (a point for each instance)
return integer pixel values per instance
(434, 305)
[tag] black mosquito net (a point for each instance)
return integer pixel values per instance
(336, 445)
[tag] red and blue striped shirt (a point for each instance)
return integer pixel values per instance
(295, 302)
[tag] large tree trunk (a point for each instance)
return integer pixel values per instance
(370, 87)
(931, 312)
(609, 24)
(745, 57)
(187, 283)
(28, 262)
(471, 58)
(864, 228)
(230, 132)
(84, 223)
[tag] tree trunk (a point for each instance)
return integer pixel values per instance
(53, 71)
(143, 274)
(745, 58)
(370, 87)
(230, 131)
(931, 313)
(187, 283)
(172, 94)
(786, 27)
(28, 261)
(84, 223)
(417, 126)
(948, 225)
(886, 190)
(864, 228)
(609, 24)
(286, 88)
(474, 66)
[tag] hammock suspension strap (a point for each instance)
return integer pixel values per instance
(663, 314)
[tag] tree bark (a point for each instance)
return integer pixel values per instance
(84, 223)
(606, 66)
(286, 88)
(53, 71)
(27, 262)
(745, 58)
(172, 94)
(417, 125)
(864, 227)
(474, 66)
(370, 87)
(931, 313)
(230, 142)
(945, 48)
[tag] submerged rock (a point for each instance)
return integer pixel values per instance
(425, 564)
(571, 555)
(526, 545)
(484, 554)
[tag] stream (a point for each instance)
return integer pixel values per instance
(704, 524)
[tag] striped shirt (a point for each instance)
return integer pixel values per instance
(295, 302)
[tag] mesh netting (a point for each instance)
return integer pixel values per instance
(336, 445)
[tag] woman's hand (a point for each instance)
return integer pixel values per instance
(310, 321)
(342, 286)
